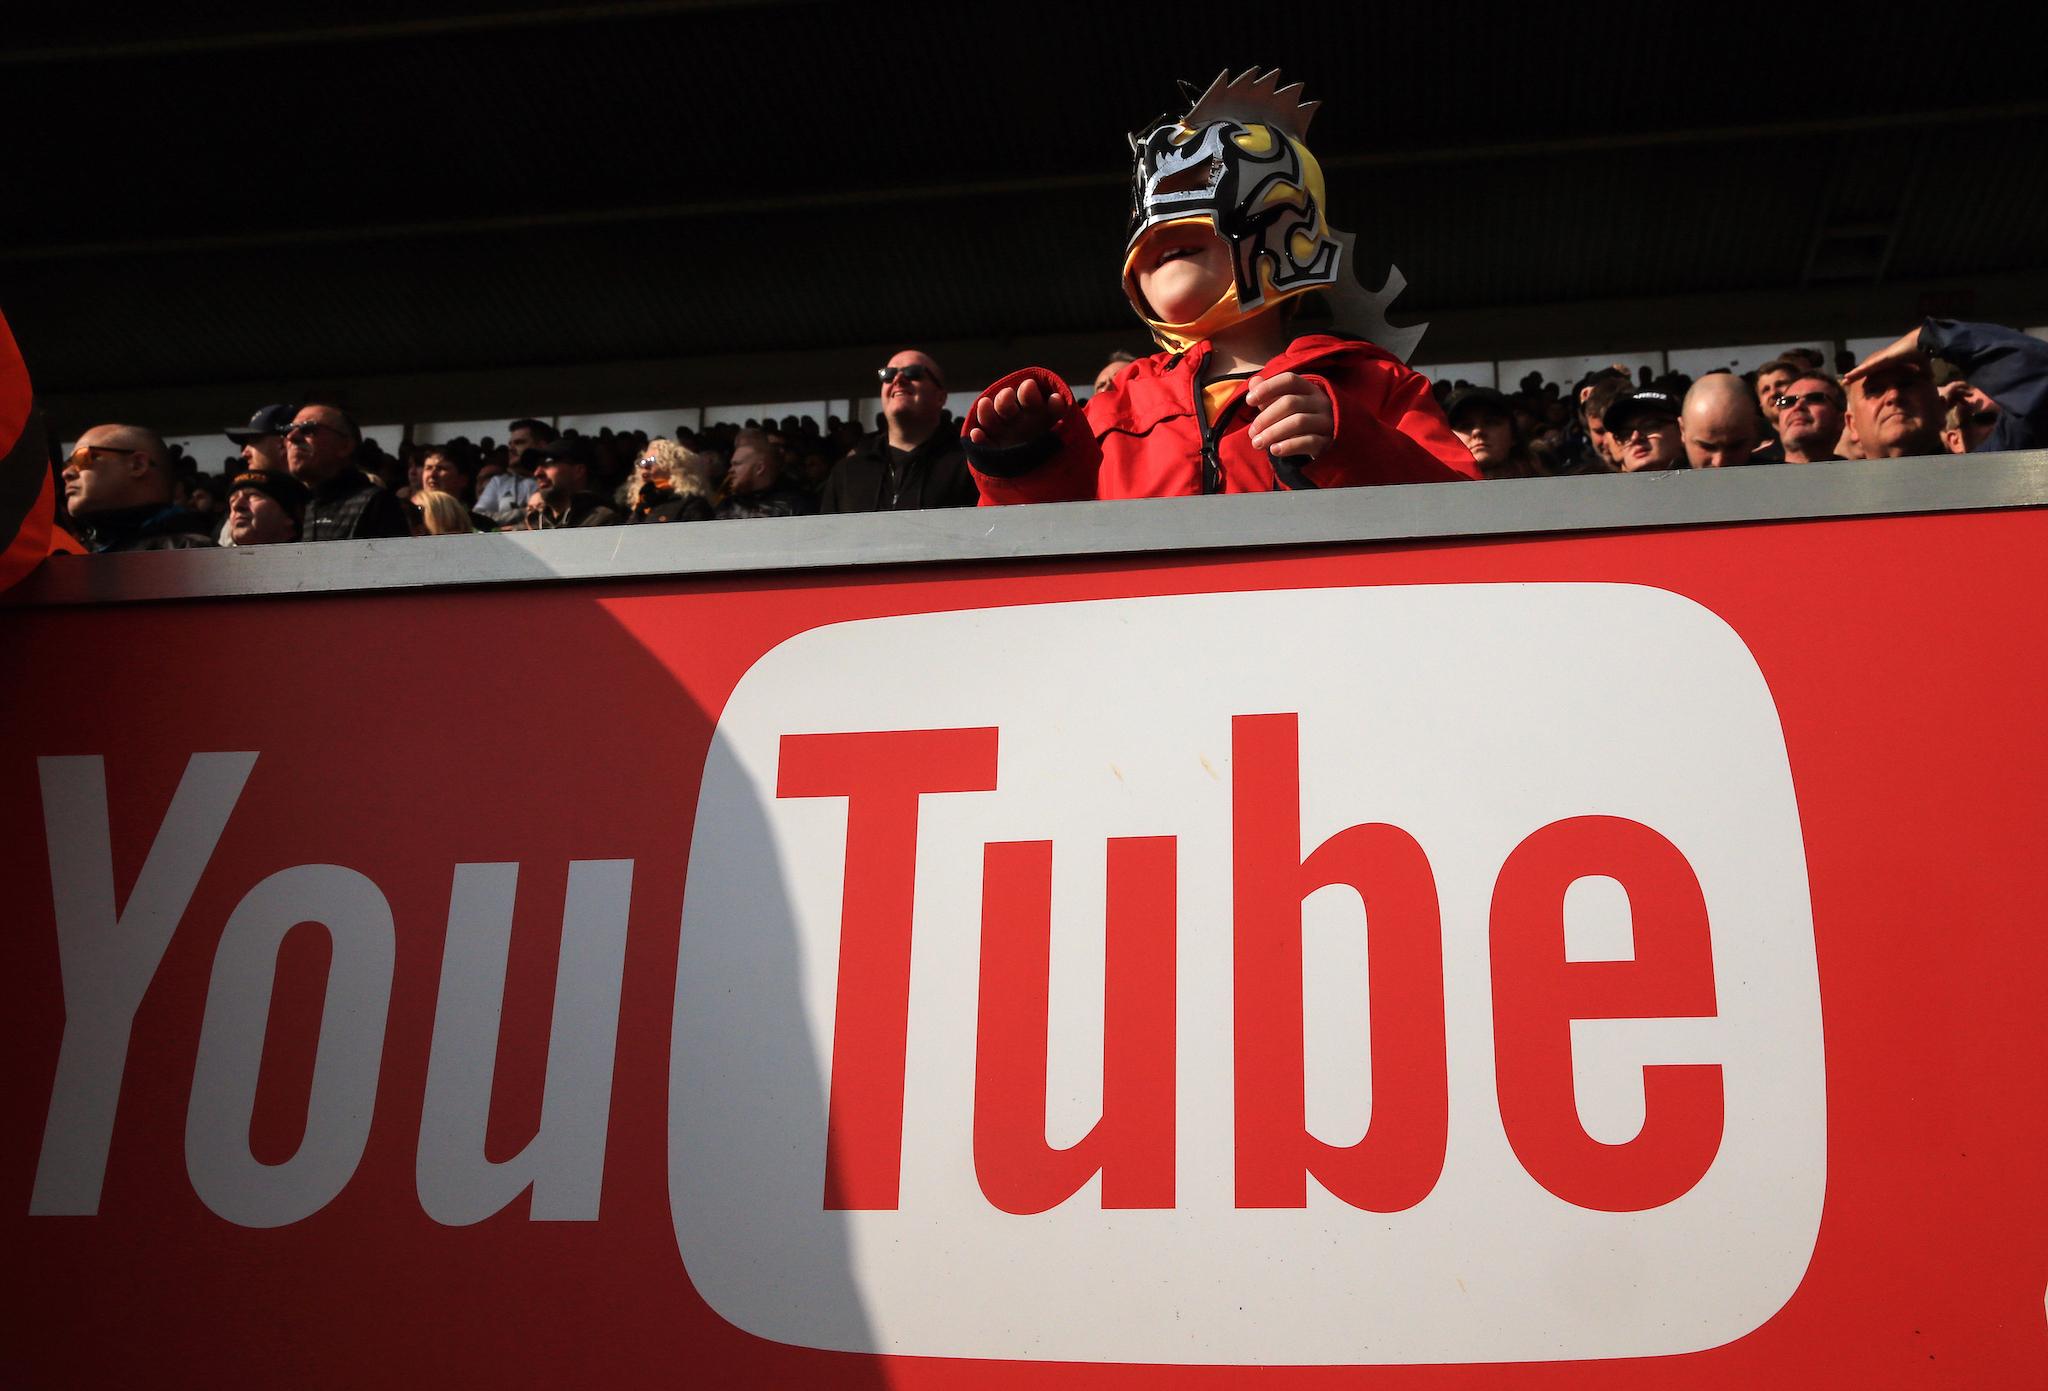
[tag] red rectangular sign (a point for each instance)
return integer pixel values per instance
(1590, 961)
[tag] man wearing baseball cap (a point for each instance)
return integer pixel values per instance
(1644, 425)
(262, 439)
(264, 507)
(1484, 422)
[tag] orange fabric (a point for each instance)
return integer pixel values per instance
(1216, 395)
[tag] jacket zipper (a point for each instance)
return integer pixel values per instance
(1212, 435)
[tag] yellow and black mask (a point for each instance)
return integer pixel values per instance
(1237, 162)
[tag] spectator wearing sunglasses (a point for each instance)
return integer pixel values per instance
(1810, 419)
(2010, 368)
(669, 484)
(117, 487)
(1644, 427)
(345, 504)
(915, 459)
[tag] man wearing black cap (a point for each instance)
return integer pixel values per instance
(1484, 422)
(1644, 425)
(563, 498)
(262, 440)
(264, 507)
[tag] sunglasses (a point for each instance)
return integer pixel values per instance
(303, 429)
(1646, 427)
(915, 372)
(87, 455)
(1811, 398)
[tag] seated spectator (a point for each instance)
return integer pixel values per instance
(444, 468)
(1484, 422)
(440, 514)
(562, 497)
(380, 467)
(1894, 410)
(1969, 417)
(915, 460)
(813, 466)
(204, 493)
(1719, 423)
(264, 507)
(1602, 452)
(2009, 367)
(669, 484)
(1644, 425)
(1105, 378)
(1810, 419)
(262, 440)
(504, 496)
(345, 505)
(1771, 380)
(754, 486)
(117, 486)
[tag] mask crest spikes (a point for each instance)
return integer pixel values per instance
(1254, 98)
(1355, 309)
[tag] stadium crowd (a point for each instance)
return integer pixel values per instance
(306, 471)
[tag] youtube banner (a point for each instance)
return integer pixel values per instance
(1600, 960)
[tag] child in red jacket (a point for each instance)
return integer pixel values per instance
(1227, 232)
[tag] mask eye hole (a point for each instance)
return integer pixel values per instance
(1193, 179)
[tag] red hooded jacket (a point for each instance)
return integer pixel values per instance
(1146, 436)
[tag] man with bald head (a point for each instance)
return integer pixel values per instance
(1720, 423)
(346, 505)
(117, 487)
(915, 460)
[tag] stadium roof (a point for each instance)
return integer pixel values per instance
(467, 188)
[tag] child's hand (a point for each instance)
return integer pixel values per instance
(1015, 415)
(1294, 418)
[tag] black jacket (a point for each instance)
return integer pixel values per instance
(155, 526)
(869, 480)
(349, 507)
(584, 509)
(782, 500)
(2008, 366)
(691, 509)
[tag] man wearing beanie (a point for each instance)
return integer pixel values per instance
(264, 507)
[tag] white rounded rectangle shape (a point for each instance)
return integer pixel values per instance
(1468, 715)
